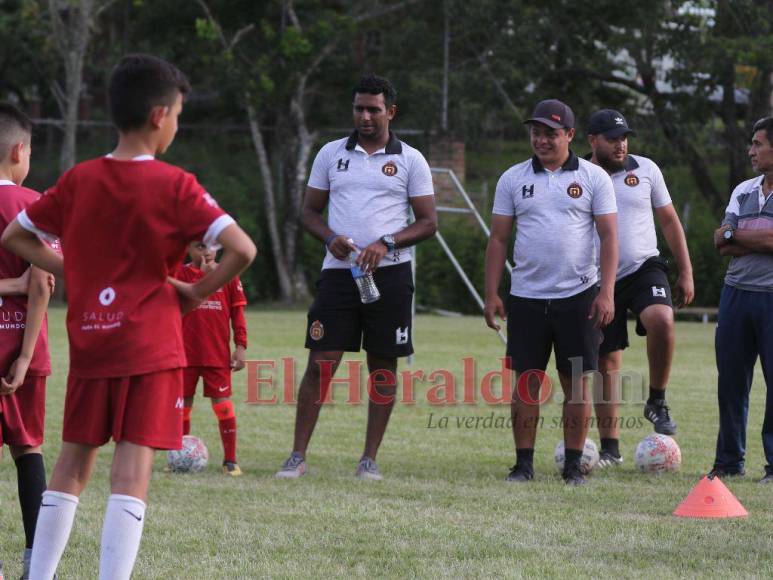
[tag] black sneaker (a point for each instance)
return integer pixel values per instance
(657, 414)
(520, 474)
(607, 459)
(722, 473)
(573, 476)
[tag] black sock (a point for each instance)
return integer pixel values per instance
(31, 475)
(656, 395)
(611, 446)
(573, 456)
(524, 457)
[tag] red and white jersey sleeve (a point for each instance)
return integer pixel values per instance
(124, 227)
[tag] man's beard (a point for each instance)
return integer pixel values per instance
(611, 165)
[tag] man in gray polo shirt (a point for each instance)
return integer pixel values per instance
(642, 282)
(368, 182)
(556, 202)
(745, 327)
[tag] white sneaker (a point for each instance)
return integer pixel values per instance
(293, 468)
(367, 469)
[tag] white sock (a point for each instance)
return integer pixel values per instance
(57, 512)
(121, 535)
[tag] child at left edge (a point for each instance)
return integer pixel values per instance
(207, 337)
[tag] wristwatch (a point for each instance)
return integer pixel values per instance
(389, 241)
(728, 235)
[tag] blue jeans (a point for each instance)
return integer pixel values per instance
(744, 332)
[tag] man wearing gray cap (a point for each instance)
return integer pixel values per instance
(556, 202)
(642, 277)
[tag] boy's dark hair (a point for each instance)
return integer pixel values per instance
(375, 85)
(765, 124)
(15, 126)
(140, 82)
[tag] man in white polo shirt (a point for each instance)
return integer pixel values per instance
(642, 277)
(368, 182)
(556, 202)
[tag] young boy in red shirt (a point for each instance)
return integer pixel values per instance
(207, 338)
(24, 358)
(124, 221)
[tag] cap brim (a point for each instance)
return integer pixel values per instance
(618, 132)
(542, 121)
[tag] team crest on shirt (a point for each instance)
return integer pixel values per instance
(317, 330)
(389, 169)
(574, 190)
(631, 180)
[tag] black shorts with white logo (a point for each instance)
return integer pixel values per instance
(646, 286)
(535, 326)
(339, 321)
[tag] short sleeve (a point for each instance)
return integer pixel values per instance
(733, 209)
(236, 291)
(420, 177)
(319, 177)
(660, 196)
(603, 201)
(199, 216)
(45, 217)
(503, 197)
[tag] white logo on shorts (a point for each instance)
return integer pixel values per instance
(659, 291)
(223, 388)
(401, 336)
(107, 296)
(179, 404)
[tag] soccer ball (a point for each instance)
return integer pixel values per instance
(192, 458)
(589, 459)
(657, 454)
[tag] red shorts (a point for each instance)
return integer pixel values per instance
(217, 381)
(143, 409)
(23, 414)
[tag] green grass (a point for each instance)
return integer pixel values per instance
(443, 508)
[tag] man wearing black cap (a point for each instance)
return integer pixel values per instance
(642, 281)
(557, 202)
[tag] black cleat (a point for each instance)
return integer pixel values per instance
(607, 459)
(658, 414)
(722, 473)
(573, 476)
(768, 479)
(520, 474)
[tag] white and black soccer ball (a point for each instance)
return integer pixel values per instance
(192, 458)
(589, 459)
(657, 454)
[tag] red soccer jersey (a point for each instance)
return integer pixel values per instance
(206, 330)
(13, 309)
(124, 226)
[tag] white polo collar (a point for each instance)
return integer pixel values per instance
(6, 182)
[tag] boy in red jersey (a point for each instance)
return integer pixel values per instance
(207, 337)
(125, 221)
(24, 359)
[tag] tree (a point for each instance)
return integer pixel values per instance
(72, 25)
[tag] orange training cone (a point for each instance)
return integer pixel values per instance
(710, 499)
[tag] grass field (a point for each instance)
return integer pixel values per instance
(443, 508)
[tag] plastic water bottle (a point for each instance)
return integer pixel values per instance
(364, 280)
